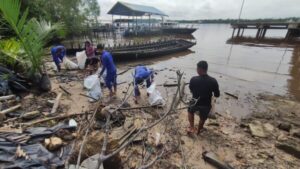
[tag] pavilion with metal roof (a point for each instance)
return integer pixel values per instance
(128, 9)
(134, 11)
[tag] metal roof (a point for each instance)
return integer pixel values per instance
(128, 9)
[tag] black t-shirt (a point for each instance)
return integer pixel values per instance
(203, 87)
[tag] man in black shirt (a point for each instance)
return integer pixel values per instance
(202, 88)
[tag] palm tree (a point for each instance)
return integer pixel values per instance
(31, 34)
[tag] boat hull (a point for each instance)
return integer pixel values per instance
(178, 30)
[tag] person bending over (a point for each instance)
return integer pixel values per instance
(58, 53)
(111, 71)
(202, 88)
(141, 74)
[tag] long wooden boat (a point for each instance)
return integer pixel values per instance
(179, 30)
(150, 49)
(144, 50)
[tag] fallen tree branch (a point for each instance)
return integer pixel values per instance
(232, 95)
(140, 107)
(81, 94)
(171, 85)
(65, 90)
(56, 104)
(126, 70)
(10, 109)
(173, 107)
(153, 161)
(8, 97)
(54, 118)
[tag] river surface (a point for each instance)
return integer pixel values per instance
(244, 69)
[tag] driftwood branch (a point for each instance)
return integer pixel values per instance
(65, 90)
(10, 109)
(81, 94)
(8, 97)
(54, 118)
(153, 161)
(56, 103)
(173, 107)
(124, 71)
(232, 95)
(85, 135)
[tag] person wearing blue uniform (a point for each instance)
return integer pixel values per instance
(111, 71)
(58, 53)
(141, 74)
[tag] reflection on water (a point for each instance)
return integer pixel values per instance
(244, 65)
(248, 67)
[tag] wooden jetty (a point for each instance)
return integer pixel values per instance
(293, 29)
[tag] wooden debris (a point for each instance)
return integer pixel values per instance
(65, 90)
(232, 95)
(54, 118)
(10, 109)
(8, 97)
(30, 115)
(81, 94)
(171, 85)
(124, 71)
(56, 103)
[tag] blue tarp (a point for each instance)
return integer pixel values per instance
(128, 9)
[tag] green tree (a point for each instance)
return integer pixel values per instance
(92, 10)
(31, 35)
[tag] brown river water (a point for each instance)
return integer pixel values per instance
(244, 69)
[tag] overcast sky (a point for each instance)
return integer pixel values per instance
(212, 9)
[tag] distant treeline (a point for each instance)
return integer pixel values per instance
(228, 21)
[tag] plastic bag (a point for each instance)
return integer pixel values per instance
(102, 79)
(92, 83)
(81, 58)
(155, 97)
(68, 64)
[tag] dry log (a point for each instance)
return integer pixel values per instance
(232, 95)
(140, 107)
(56, 103)
(54, 118)
(124, 71)
(65, 90)
(10, 109)
(81, 94)
(8, 97)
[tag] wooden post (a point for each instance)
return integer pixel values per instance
(258, 32)
(149, 21)
(264, 33)
(288, 34)
(233, 33)
(238, 33)
(242, 32)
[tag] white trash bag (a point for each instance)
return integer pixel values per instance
(81, 58)
(102, 79)
(155, 97)
(92, 83)
(68, 64)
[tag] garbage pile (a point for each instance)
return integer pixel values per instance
(11, 82)
(25, 142)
